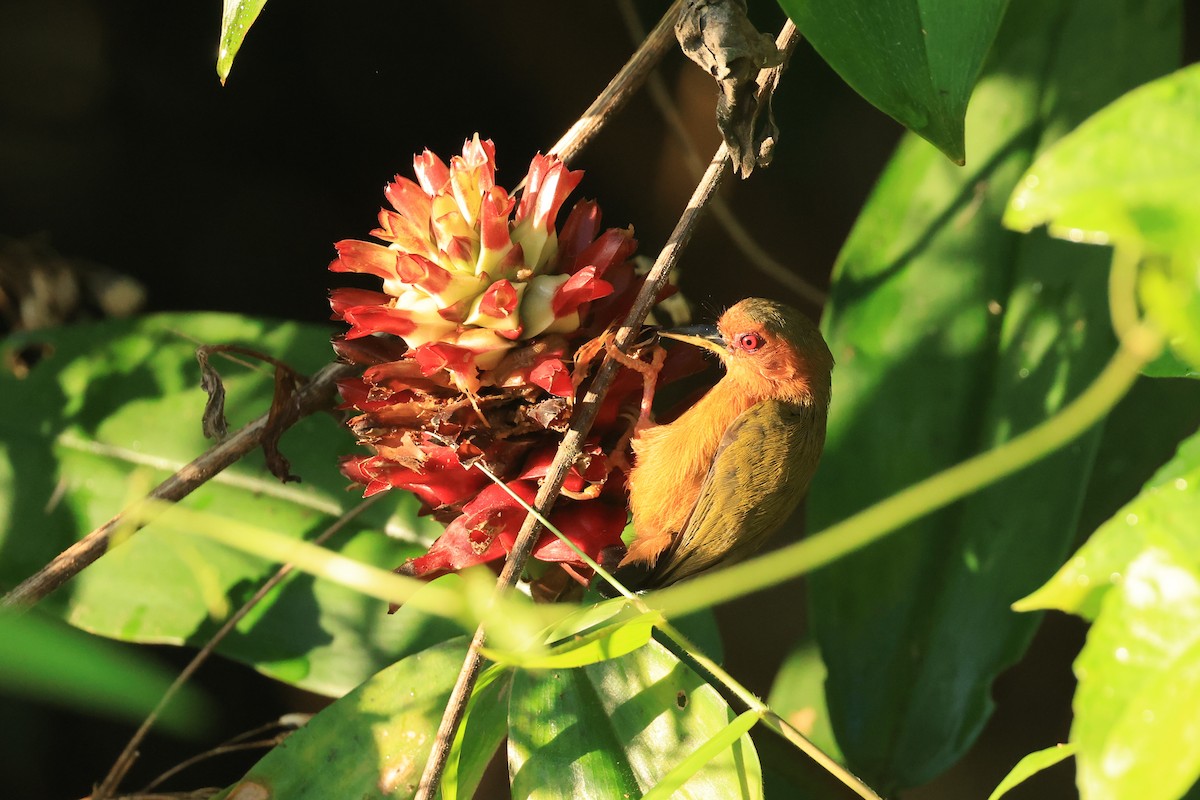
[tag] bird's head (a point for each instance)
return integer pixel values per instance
(770, 347)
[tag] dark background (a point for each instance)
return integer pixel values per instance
(118, 144)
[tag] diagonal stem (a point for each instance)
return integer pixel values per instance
(1139, 345)
(581, 424)
(316, 395)
(635, 72)
(125, 760)
(722, 214)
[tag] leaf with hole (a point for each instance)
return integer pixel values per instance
(115, 407)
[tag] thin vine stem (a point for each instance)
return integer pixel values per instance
(125, 760)
(766, 715)
(1140, 344)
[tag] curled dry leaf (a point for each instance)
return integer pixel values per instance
(718, 36)
(283, 413)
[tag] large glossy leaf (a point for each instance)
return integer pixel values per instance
(1137, 706)
(952, 335)
(1129, 175)
(372, 743)
(915, 60)
(113, 408)
(617, 728)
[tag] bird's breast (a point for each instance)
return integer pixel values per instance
(671, 464)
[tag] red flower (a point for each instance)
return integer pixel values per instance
(475, 349)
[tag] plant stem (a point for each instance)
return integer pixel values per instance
(125, 760)
(581, 424)
(767, 717)
(316, 395)
(1139, 345)
(639, 66)
(722, 214)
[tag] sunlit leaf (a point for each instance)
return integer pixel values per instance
(1138, 577)
(236, 19)
(1129, 175)
(618, 727)
(1031, 765)
(372, 743)
(611, 641)
(727, 737)
(1137, 708)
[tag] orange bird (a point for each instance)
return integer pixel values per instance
(710, 487)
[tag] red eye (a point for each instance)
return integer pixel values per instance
(748, 341)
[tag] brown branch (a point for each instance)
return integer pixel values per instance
(581, 424)
(316, 395)
(124, 761)
(742, 239)
(631, 77)
(259, 744)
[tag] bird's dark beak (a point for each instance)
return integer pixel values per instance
(706, 336)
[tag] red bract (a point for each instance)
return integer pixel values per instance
(477, 348)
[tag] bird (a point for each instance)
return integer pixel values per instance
(710, 487)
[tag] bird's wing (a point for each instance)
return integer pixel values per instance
(761, 471)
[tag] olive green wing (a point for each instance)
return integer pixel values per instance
(760, 473)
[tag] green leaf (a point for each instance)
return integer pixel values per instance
(1137, 707)
(1031, 765)
(1170, 501)
(587, 617)
(1138, 701)
(611, 641)
(115, 407)
(48, 661)
(1129, 175)
(236, 19)
(617, 728)
(727, 737)
(372, 743)
(952, 336)
(915, 60)
(483, 727)
(1168, 365)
